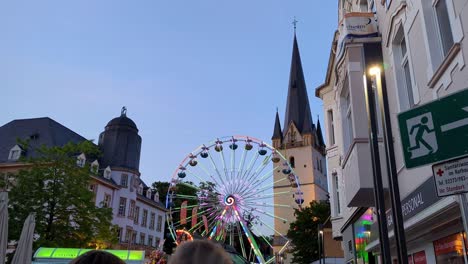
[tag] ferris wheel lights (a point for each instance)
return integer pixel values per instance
(262, 152)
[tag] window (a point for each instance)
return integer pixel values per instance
(124, 180)
(150, 241)
(140, 189)
(95, 167)
(14, 154)
(137, 215)
(403, 72)
(331, 127)
(134, 236)
(387, 3)
(406, 72)
(144, 218)
(142, 238)
(348, 134)
(80, 162)
(131, 213)
(119, 234)
(153, 216)
(148, 193)
(157, 242)
(107, 173)
(443, 21)
(292, 162)
(128, 234)
(122, 206)
(107, 200)
(159, 226)
(336, 188)
(92, 188)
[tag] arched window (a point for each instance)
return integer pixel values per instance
(292, 162)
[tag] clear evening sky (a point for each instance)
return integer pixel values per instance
(188, 71)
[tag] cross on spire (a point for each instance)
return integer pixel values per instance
(294, 23)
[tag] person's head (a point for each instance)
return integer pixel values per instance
(200, 252)
(97, 257)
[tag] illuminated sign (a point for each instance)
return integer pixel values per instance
(71, 253)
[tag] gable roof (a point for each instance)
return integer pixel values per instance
(38, 131)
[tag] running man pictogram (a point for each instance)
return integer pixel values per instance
(422, 128)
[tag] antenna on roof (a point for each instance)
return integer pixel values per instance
(124, 111)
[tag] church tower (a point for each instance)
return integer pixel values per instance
(301, 143)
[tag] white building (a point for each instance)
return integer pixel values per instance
(115, 176)
(423, 46)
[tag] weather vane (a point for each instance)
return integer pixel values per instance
(124, 111)
(294, 23)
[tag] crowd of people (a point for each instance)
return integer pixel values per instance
(190, 252)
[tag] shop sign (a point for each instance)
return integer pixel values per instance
(421, 198)
(419, 257)
(355, 25)
(448, 244)
(451, 177)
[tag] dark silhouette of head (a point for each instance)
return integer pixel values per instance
(200, 252)
(97, 257)
(424, 120)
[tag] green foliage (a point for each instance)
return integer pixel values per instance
(304, 231)
(56, 189)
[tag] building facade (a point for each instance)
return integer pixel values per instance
(423, 50)
(301, 143)
(115, 177)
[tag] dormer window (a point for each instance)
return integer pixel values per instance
(107, 173)
(81, 160)
(156, 196)
(148, 193)
(15, 153)
(95, 167)
(140, 189)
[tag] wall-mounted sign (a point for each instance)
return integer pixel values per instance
(355, 25)
(451, 177)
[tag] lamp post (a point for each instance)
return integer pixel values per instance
(374, 77)
(320, 242)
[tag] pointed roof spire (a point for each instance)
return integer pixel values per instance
(321, 143)
(308, 125)
(277, 130)
(297, 107)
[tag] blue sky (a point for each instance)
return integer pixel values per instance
(188, 71)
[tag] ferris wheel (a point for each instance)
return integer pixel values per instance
(223, 191)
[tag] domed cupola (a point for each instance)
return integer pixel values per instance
(120, 144)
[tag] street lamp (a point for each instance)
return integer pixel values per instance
(320, 243)
(375, 78)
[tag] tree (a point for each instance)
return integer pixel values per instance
(56, 190)
(304, 231)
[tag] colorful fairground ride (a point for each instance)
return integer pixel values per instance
(233, 196)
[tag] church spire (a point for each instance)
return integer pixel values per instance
(321, 143)
(297, 107)
(277, 130)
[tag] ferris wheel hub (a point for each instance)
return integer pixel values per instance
(229, 200)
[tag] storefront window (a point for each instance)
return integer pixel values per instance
(362, 233)
(449, 249)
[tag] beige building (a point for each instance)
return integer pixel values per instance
(423, 49)
(301, 142)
